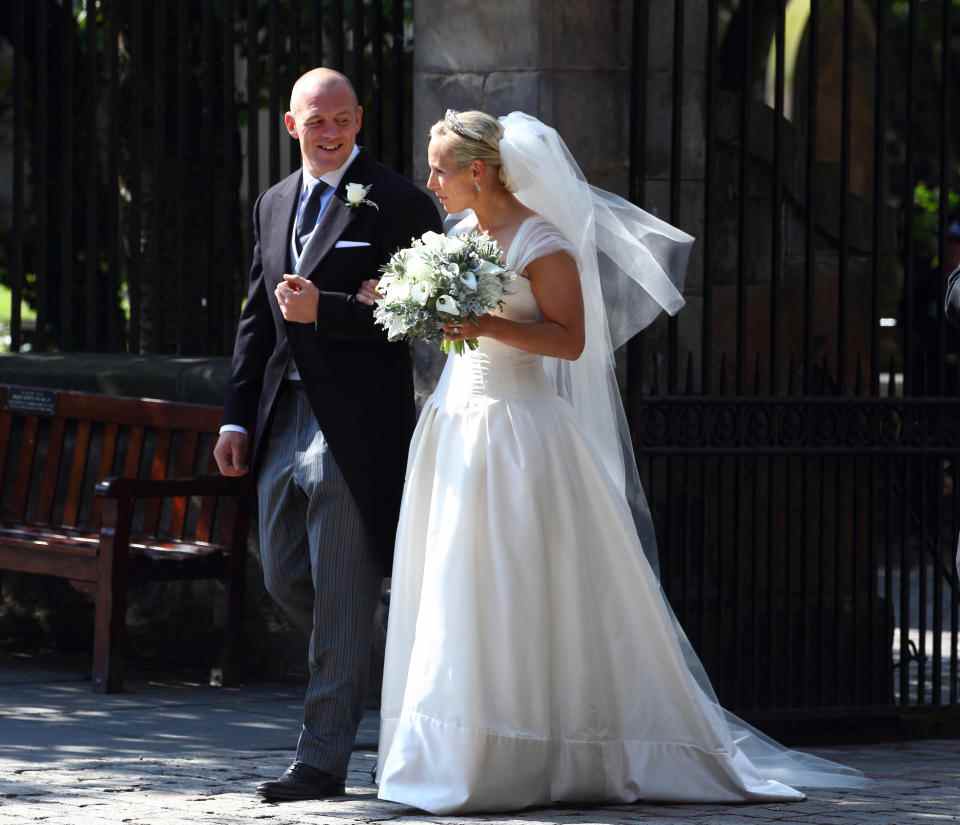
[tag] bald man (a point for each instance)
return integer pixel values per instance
(320, 407)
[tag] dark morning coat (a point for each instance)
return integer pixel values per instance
(360, 386)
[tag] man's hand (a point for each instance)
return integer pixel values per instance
(230, 453)
(298, 299)
(367, 294)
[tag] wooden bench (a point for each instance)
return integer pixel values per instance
(102, 491)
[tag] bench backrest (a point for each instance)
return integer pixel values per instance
(56, 445)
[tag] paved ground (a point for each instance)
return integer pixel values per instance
(172, 753)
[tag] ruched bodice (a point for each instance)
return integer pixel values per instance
(495, 371)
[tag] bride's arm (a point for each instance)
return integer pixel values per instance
(556, 286)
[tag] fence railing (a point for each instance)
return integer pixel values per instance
(795, 423)
(809, 544)
(142, 133)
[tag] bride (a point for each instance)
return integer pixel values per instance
(532, 656)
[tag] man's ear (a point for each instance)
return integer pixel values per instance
(291, 124)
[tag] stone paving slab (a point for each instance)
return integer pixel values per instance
(179, 754)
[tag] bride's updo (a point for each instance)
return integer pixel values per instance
(473, 136)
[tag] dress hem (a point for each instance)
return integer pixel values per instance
(444, 767)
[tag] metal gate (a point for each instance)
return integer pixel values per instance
(797, 424)
(142, 133)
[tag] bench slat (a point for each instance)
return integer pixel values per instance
(88, 540)
(68, 562)
(74, 555)
(108, 452)
(138, 412)
(183, 468)
(75, 483)
(131, 466)
(152, 508)
(43, 511)
(43, 535)
(21, 487)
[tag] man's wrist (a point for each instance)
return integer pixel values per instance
(233, 428)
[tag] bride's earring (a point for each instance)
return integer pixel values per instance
(476, 187)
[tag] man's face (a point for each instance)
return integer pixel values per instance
(325, 119)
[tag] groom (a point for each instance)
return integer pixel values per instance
(320, 406)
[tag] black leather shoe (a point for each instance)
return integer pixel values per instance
(300, 781)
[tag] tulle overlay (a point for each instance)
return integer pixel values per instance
(531, 657)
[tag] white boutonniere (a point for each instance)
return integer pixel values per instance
(357, 196)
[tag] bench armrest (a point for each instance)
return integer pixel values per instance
(169, 488)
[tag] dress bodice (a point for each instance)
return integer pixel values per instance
(494, 370)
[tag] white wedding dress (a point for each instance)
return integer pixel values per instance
(531, 656)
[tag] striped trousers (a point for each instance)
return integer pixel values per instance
(318, 564)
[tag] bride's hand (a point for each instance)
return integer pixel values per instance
(367, 294)
(462, 330)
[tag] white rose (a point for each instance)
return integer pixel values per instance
(398, 291)
(433, 238)
(453, 246)
(446, 304)
(418, 269)
(356, 193)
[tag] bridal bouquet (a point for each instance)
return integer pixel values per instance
(440, 280)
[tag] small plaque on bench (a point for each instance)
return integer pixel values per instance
(32, 402)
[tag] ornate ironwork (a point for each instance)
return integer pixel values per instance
(756, 425)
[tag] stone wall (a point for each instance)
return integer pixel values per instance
(565, 61)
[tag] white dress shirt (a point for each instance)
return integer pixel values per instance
(332, 179)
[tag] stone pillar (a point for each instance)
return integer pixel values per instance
(564, 61)
(659, 79)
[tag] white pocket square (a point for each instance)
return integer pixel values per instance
(347, 244)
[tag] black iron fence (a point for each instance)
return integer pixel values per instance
(797, 424)
(809, 544)
(142, 133)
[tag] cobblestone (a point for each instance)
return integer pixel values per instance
(181, 754)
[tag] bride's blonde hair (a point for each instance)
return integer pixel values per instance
(472, 136)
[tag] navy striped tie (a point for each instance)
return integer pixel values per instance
(309, 214)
